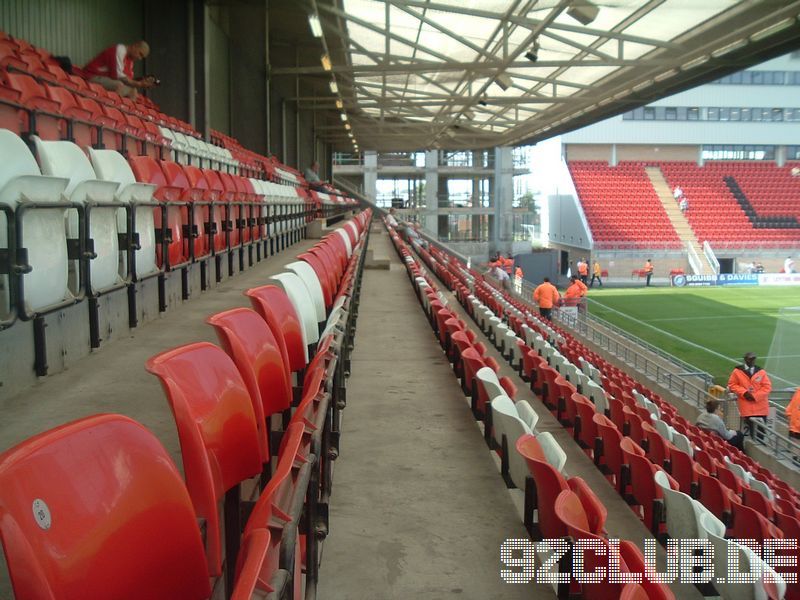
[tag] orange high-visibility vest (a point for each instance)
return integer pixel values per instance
(583, 268)
(759, 385)
(546, 295)
(793, 412)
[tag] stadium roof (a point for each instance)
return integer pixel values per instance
(413, 74)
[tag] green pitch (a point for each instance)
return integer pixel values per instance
(710, 328)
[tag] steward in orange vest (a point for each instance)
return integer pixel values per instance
(577, 288)
(793, 412)
(546, 296)
(752, 386)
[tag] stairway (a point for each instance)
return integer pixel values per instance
(677, 218)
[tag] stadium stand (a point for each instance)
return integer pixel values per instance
(669, 464)
(608, 194)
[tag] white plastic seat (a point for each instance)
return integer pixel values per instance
(303, 304)
(43, 232)
(527, 414)
(552, 451)
(760, 486)
(306, 273)
(507, 423)
(683, 512)
(681, 442)
(65, 159)
(570, 372)
(347, 243)
(491, 384)
(664, 429)
(739, 471)
(110, 165)
(725, 553)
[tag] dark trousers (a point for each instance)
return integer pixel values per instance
(649, 275)
(545, 312)
(600, 281)
(737, 441)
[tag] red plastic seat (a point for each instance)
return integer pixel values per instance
(716, 497)
(274, 507)
(585, 429)
(112, 519)
(596, 512)
(547, 484)
(748, 524)
(644, 490)
(609, 455)
(216, 428)
(33, 96)
(274, 306)
(261, 360)
(148, 170)
(177, 178)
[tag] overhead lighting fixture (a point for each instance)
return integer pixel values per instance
(347, 126)
(343, 116)
(316, 26)
(326, 62)
(583, 12)
(350, 134)
(503, 81)
(533, 54)
(334, 87)
(482, 101)
(339, 104)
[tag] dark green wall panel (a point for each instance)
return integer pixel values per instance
(75, 28)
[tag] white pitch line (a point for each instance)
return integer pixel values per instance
(746, 316)
(668, 334)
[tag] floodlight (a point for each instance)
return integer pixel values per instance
(316, 26)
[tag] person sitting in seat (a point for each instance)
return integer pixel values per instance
(712, 421)
(312, 177)
(113, 69)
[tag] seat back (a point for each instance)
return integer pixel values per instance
(274, 306)
(527, 414)
(309, 278)
(552, 451)
(507, 423)
(725, 552)
(303, 304)
(108, 544)
(549, 484)
(110, 165)
(216, 428)
(596, 511)
(43, 230)
(249, 341)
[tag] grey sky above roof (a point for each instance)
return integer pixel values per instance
(415, 74)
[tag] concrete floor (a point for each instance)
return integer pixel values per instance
(418, 509)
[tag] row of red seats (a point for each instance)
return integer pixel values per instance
(136, 528)
(576, 512)
(607, 194)
(630, 465)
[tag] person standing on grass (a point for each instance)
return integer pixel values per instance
(648, 271)
(596, 273)
(583, 270)
(752, 386)
(546, 296)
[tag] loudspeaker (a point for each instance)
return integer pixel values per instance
(504, 81)
(583, 13)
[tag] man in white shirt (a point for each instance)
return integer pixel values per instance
(788, 265)
(391, 220)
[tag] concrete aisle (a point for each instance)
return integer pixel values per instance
(418, 507)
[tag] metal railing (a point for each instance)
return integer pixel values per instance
(711, 257)
(694, 259)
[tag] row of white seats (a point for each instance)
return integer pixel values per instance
(187, 149)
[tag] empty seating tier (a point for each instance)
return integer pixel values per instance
(621, 206)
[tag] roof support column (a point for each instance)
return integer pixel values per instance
(371, 174)
(503, 197)
(431, 222)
